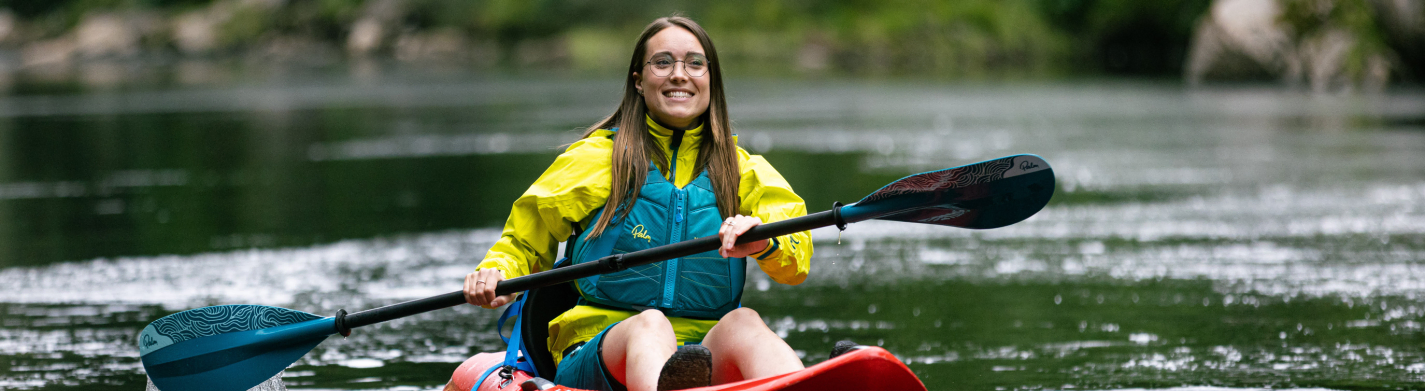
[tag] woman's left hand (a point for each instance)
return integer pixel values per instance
(731, 229)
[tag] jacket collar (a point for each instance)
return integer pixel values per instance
(689, 143)
(658, 129)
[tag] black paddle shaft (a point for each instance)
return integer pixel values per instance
(345, 322)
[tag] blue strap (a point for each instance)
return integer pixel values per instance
(602, 245)
(482, 378)
(514, 359)
(513, 309)
(514, 356)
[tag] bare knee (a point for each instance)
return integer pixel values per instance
(739, 324)
(649, 322)
(742, 317)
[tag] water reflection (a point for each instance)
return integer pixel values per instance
(1235, 238)
(1108, 334)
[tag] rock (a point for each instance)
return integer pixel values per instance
(542, 52)
(1404, 22)
(443, 45)
(365, 37)
(370, 31)
(102, 73)
(56, 51)
(814, 56)
(8, 22)
(1403, 18)
(201, 31)
(195, 32)
(1241, 39)
(1325, 57)
(106, 35)
(295, 49)
(198, 71)
(1250, 26)
(1319, 44)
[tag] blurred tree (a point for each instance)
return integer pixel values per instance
(1126, 36)
(922, 37)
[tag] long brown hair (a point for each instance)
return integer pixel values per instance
(634, 147)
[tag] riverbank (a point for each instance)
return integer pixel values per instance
(926, 39)
(1330, 46)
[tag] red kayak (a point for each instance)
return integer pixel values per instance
(862, 368)
(868, 368)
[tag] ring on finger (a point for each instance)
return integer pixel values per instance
(479, 282)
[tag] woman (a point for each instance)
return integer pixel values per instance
(662, 169)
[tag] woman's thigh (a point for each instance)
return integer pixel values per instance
(638, 346)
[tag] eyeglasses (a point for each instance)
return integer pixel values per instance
(695, 65)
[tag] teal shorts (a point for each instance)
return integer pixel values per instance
(584, 367)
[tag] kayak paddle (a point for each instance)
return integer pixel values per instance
(235, 347)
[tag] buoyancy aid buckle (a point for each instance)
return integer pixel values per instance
(514, 351)
(507, 375)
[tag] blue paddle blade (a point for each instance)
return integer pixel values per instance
(227, 347)
(984, 195)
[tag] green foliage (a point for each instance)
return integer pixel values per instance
(923, 37)
(247, 25)
(1127, 36)
(329, 19)
(896, 36)
(1313, 19)
(598, 49)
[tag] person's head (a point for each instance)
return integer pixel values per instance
(672, 74)
(661, 84)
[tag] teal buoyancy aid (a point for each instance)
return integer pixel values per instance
(703, 286)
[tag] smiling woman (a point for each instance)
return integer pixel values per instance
(679, 97)
(664, 168)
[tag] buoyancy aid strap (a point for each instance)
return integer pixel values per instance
(602, 245)
(514, 355)
(482, 377)
(513, 309)
(516, 352)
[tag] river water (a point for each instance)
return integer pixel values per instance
(1238, 237)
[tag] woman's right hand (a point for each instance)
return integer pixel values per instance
(480, 288)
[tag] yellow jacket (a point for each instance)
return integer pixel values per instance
(578, 183)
